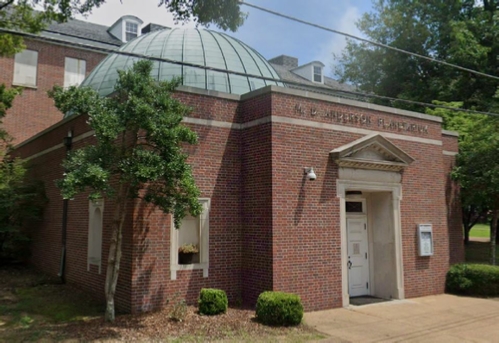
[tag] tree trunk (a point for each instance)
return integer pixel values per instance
(467, 235)
(493, 233)
(113, 262)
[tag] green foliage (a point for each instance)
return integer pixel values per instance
(478, 162)
(473, 279)
(6, 98)
(21, 206)
(225, 14)
(460, 122)
(139, 143)
(279, 308)
(212, 301)
(461, 32)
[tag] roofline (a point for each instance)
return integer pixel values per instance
(306, 64)
(79, 46)
(83, 38)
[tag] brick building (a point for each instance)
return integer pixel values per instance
(63, 54)
(303, 191)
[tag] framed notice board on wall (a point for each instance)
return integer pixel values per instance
(425, 239)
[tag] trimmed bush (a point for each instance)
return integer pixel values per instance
(473, 279)
(212, 301)
(279, 308)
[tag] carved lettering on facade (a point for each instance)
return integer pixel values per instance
(360, 119)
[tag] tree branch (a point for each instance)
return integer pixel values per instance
(2, 6)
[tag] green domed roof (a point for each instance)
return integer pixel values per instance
(203, 47)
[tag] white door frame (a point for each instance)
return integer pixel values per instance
(396, 189)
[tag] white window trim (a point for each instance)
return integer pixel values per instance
(27, 85)
(313, 74)
(125, 31)
(92, 205)
(204, 244)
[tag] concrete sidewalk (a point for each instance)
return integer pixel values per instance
(441, 318)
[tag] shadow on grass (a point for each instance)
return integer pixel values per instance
(479, 252)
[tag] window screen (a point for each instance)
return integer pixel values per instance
(25, 68)
(131, 30)
(74, 72)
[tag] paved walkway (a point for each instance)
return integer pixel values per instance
(441, 318)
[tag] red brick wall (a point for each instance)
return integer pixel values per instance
(216, 167)
(306, 229)
(34, 111)
(269, 227)
(256, 145)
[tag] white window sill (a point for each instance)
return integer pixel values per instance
(176, 267)
(24, 86)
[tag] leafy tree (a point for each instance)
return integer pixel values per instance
(138, 153)
(225, 14)
(478, 170)
(21, 204)
(473, 208)
(462, 32)
(6, 98)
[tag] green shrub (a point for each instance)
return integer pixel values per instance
(212, 301)
(473, 279)
(279, 308)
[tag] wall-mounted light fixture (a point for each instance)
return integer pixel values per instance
(309, 171)
(68, 140)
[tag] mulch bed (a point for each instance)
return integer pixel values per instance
(238, 324)
(153, 326)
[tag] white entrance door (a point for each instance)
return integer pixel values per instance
(358, 259)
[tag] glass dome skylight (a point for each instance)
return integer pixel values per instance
(197, 46)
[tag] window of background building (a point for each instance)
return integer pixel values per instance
(193, 230)
(74, 72)
(25, 68)
(317, 74)
(131, 30)
(94, 252)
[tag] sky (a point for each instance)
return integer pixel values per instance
(270, 35)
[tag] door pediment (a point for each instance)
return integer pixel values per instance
(371, 152)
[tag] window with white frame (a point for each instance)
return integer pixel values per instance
(131, 30)
(189, 248)
(74, 71)
(94, 253)
(25, 68)
(317, 74)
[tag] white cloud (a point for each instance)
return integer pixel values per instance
(338, 42)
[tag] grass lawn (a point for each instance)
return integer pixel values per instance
(480, 230)
(35, 308)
